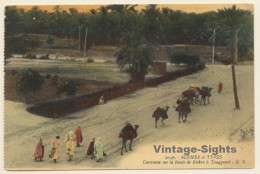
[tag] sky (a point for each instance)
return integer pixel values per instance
(197, 8)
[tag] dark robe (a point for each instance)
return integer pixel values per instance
(91, 148)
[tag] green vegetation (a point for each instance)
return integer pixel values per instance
(108, 24)
(90, 60)
(50, 40)
(69, 88)
(44, 57)
(18, 45)
(136, 54)
(30, 82)
(234, 20)
(30, 56)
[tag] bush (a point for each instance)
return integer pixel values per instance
(30, 56)
(54, 80)
(90, 60)
(13, 72)
(19, 45)
(69, 88)
(50, 40)
(44, 57)
(180, 57)
(48, 76)
(30, 82)
(110, 61)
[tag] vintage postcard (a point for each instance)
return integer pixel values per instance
(129, 86)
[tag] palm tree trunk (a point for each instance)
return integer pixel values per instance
(235, 87)
(233, 71)
(235, 44)
(85, 50)
(85, 42)
(79, 36)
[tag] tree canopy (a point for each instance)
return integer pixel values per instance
(107, 25)
(237, 24)
(163, 26)
(136, 55)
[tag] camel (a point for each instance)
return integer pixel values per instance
(183, 111)
(128, 133)
(205, 92)
(189, 94)
(196, 93)
(192, 94)
(160, 112)
(183, 108)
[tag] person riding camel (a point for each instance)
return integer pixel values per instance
(130, 128)
(183, 101)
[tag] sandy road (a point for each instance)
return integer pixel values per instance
(206, 123)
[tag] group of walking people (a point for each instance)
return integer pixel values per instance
(95, 148)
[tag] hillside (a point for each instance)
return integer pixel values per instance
(61, 47)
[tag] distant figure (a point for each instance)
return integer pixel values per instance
(70, 147)
(98, 149)
(101, 100)
(55, 151)
(70, 134)
(39, 151)
(220, 86)
(90, 151)
(78, 134)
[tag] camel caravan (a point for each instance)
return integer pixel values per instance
(188, 97)
(128, 132)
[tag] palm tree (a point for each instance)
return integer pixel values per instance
(151, 23)
(123, 15)
(136, 55)
(93, 11)
(73, 11)
(233, 19)
(166, 10)
(122, 9)
(103, 10)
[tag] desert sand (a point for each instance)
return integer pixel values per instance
(217, 121)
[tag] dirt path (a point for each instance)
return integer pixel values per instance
(216, 121)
